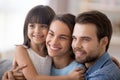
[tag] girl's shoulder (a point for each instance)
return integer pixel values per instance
(20, 52)
(21, 48)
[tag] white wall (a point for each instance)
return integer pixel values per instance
(12, 15)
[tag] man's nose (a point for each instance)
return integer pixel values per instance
(77, 44)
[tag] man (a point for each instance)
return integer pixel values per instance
(91, 39)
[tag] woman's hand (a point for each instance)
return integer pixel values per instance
(77, 74)
(116, 61)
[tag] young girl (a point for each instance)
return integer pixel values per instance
(33, 51)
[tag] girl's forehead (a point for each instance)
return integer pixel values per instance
(38, 19)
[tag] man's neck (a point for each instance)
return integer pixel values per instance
(89, 64)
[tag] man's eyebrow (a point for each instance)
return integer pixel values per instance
(50, 31)
(73, 36)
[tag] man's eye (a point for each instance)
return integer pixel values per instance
(50, 34)
(86, 39)
(73, 38)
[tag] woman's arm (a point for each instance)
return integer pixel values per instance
(77, 74)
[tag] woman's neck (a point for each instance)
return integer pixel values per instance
(61, 62)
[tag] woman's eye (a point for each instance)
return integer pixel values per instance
(62, 37)
(44, 26)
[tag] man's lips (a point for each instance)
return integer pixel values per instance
(79, 53)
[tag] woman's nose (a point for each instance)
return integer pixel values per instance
(55, 41)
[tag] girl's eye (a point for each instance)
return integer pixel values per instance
(31, 25)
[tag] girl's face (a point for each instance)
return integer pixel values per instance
(37, 32)
(58, 40)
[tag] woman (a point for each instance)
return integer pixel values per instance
(58, 44)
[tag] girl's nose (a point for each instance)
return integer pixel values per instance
(37, 29)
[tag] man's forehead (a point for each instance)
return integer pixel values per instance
(84, 29)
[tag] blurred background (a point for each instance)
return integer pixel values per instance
(13, 13)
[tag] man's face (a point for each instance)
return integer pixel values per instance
(85, 44)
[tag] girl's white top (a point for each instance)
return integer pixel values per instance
(41, 64)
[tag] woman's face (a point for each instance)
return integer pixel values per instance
(37, 32)
(58, 40)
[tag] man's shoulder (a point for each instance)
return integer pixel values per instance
(110, 72)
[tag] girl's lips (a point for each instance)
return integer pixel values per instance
(38, 36)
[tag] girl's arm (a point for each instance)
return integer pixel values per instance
(22, 58)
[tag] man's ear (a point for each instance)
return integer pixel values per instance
(104, 41)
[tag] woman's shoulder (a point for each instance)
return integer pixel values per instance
(76, 64)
